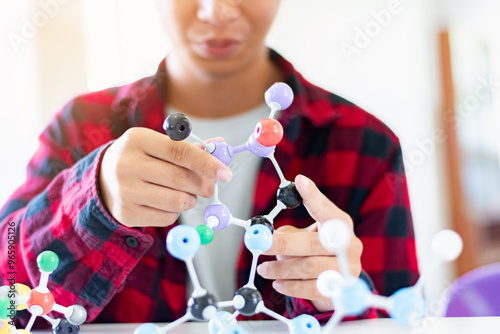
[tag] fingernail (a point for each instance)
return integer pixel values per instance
(262, 269)
(304, 181)
(224, 175)
(278, 285)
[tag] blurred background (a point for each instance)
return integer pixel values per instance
(430, 69)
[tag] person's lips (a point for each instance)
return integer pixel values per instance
(218, 48)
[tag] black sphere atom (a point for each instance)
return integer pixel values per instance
(289, 196)
(252, 298)
(65, 327)
(261, 220)
(177, 127)
(198, 305)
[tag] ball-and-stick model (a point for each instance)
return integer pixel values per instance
(183, 242)
(39, 302)
(351, 295)
(262, 143)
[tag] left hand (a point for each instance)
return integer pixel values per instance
(300, 256)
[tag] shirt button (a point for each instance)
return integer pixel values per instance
(131, 241)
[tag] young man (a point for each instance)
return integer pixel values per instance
(106, 184)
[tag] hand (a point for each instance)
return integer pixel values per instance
(300, 256)
(146, 179)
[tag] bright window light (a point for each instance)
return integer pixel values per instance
(125, 41)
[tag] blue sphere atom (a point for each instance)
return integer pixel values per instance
(239, 330)
(258, 237)
(353, 297)
(408, 307)
(305, 324)
(146, 329)
(183, 242)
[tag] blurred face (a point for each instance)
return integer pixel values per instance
(217, 35)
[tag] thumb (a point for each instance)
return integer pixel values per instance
(317, 204)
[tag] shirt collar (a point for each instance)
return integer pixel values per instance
(309, 101)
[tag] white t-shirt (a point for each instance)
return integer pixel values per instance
(215, 263)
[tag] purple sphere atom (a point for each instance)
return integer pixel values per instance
(223, 152)
(258, 149)
(280, 93)
(217, 213)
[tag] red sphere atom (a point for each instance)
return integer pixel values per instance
(268, 132)
(44, 300)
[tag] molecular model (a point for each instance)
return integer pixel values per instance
(262, 143)
(183, 242)
(39, 302)
(351, 295)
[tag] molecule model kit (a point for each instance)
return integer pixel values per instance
(183, 242)
(262, 143)
(351, 295)
(39, 302)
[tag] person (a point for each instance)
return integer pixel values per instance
(106, 184)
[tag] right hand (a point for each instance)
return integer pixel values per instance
(147, 179)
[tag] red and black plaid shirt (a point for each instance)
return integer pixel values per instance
(122, 274)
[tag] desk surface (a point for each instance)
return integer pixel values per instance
(474, 325)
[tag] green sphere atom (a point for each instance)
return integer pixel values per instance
(4, 305)
(206, 234)
(47, 261)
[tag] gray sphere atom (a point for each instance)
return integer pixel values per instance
(76, 315)
(246, 300)
(201, 307)
(177, 127)
(65, 327)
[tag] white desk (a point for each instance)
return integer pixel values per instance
(474, 325)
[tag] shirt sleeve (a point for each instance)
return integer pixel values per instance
(58, 208)
(384, 225)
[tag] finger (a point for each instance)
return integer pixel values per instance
(309, 267)
(139, 216)
(186, 155)
(297, 244)
(293, 229)
(313, 227)
(162, 198)
(208, 141)
(305, 289)
(285, 257)
(317, 204)
(172, 176)
(199, 145)
(287, 229)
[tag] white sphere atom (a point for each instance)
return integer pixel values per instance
(447, 244)
(335, 234)
(328, 281)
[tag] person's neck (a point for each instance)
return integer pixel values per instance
(209, 96)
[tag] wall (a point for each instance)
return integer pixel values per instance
(19, 93)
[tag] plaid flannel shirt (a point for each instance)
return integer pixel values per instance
(122, 274)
